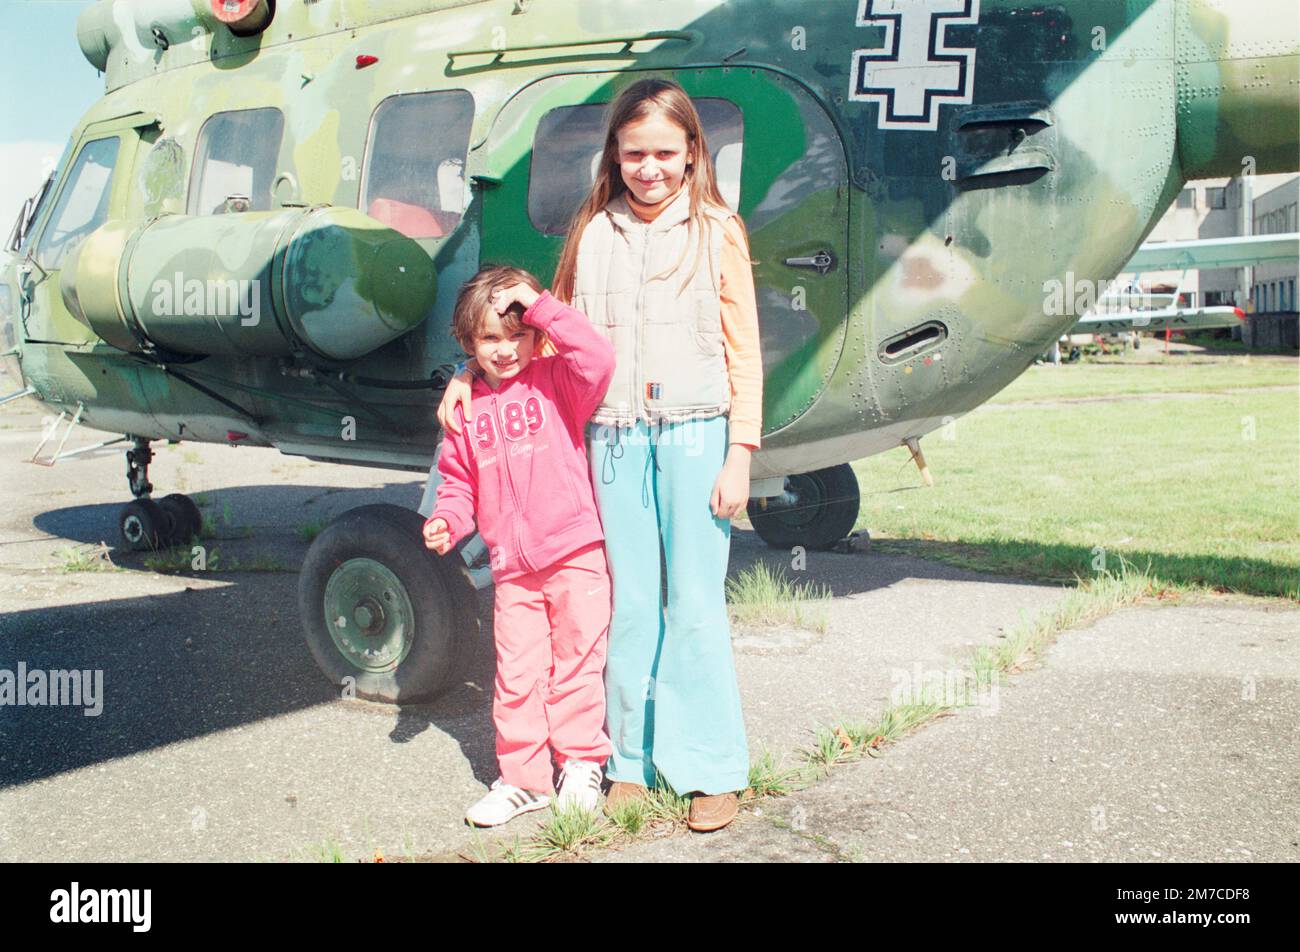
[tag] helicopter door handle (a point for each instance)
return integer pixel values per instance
(822, 261)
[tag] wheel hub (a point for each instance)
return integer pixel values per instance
(801, 503)
(373, 620)
(369, 616)
(132, 529)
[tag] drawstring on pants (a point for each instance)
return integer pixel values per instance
(614, 451)
(655, 430)
(606, 466)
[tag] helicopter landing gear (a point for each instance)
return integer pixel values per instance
(138, 459)
(146, 524)
(143, 525)
(384, 616)
(816, 510)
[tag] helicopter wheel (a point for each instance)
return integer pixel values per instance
(144, 525)
(816, 510)
(380, 608)
(186, 520)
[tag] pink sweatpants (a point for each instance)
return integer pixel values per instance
(551, 628)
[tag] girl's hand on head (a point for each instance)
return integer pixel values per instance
(502, 298)
(458, 391)
(731, 488)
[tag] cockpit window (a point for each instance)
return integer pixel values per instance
(569, 143)
(414, 176)
(83, 203)
(236, 155)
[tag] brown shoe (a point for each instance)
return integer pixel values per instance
(621, 792)
(712, 812)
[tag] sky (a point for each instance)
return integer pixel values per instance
(48, 85)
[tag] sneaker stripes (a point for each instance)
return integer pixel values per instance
(504, 802)
(580, 784)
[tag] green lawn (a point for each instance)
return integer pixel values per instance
(1143, 372)
(1042, 491)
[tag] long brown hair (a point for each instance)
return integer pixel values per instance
(644, 98)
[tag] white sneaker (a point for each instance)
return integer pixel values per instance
(504, 802)
(579, 784)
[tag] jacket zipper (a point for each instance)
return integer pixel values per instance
(638, 397)
(510, 483)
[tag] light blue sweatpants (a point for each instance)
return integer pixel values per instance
(672, 703)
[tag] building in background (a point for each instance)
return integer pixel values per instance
(1226, 208)
(1272, 285)
(1274, 322)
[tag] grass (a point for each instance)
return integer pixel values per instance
(1092, 599)
(564, 833)
(1203, 491)
(761, 596)
(181, 559)
(223, 529)
(308, 531)
(629, 817)
(768, 779)
(328, 852)
(838, 744)
(1149, 371)
(87, 559)
(571, 830)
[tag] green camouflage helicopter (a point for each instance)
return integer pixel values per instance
(255, 237)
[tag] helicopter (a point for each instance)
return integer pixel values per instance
(255, 237)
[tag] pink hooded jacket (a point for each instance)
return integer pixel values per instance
(520, 465)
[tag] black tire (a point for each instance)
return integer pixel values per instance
(144, 525)
(817, 510)
(187, 521)
(438, 590)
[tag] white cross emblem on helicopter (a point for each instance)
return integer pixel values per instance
(915, 71)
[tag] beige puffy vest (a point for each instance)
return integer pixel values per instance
(669, 362)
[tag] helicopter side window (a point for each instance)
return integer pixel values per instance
(414, 178)
(568, 145)
(236, 155)
(24, 229)
(83, 203)
(31, 210)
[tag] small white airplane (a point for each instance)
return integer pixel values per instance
(1126, 307)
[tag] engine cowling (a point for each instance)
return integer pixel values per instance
(327, 280)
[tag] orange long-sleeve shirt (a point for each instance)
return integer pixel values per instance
(739, 329)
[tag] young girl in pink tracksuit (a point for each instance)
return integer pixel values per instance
(518, 467)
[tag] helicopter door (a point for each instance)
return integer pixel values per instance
(780, 163)
(414, 182)
(94, 189)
